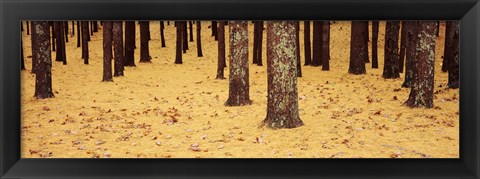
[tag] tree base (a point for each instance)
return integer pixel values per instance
(241, 102)
(43, 96)
(274, 124)
(220, 78)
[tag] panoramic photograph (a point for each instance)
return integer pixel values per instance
(240, 89)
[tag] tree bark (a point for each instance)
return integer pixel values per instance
(144, 49)
(214, 30)
(260, 44)
(326, 46)
(403, 46)
(282, 103)
(118, 48)
(239, 76)
(107, 51)
(453, 66)
(221, 51)
(162, 33)
(54, 35)
(73, 28)
(28, 28)
(447, 55)
(199, 39)
(78, 34)
(411, 36)
(390, 67)
(317, 43)
(297, 49)
(306, 41)
(65, 34)
(374, 44)
(95, 26)
(358, 49)
(59, 40)
(255, 41)
(34, 49)
(185, 36)
(130, 43)
(421, 93)
(43, 73)
(178, 52)
(85, 41)
(22, 67)
(190, 24)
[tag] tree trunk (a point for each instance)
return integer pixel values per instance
(22, 67)
(130, 43)
(239, 77)
(374, 44)
(447, 55)
(214, 30)
(190, 24)
(306, 41)
(390, 67)
(28, 28)
(78, 33)
(421, 94)
(260, 44)
(85, 41)
(95, 26)
(185, 35)
(43, 73)
(144, 49)
(221, 50)
(107, 51)
(91, 28)
(255, 41)
(282, 103)
(162, 34)
(54, 35)
(403, 46)
(58, 28)
(148, 30)
(326, 46)
(34, 49)
(365, 33)
(358, 49)
(453, 66)
(65, 26)
(199, 39)
(297, 49)
(73, 28)
(87, 25)
(411, 36)
(118, 48)
(178, 52)
(317, 43)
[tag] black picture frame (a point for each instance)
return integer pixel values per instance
(13, 11)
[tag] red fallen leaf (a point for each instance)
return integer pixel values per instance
(395, 98)
(377, 113)
(46, 108)
(51, 120)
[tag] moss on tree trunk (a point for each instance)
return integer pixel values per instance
(43, 71)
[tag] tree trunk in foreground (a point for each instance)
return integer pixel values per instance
(239, 77)
(282, 103)
(107, 51)
(411, 36)
(358, 49)
(390, 66)
(421, 94)
(43, 73)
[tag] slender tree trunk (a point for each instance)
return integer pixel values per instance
(306, 41)
(185, 35)
(190, 24)
(390, 67)
(317, 43)
(162, 34)
(453, 66)
(374, 44)
(239, 77)
(282, 103)
(178, 52)
(95, 26)
(85, 41)
(129, 43)
(54, 35)
(107, 51)
(214, 30)
(43, 73)
(28, 28)
(366, 42)
(199, 39)
(260, 44)
(411, 36)
(22, 67)
(144, 49)
(255, 41)
(421, 93)
(73, 28)
(78, 33)
(91, 28)
(221, 50)
(297, 49)
(403, 46)
(118, 48)
(21, 25)
(87, 25)
(59, 40)
(358, 49)
(447, 55)
(326, 46)
(35, 49)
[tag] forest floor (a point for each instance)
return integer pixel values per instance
(164, 110)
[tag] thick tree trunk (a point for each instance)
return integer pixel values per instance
(453, 66)
(282, 103)
(179, 42)
(214, 30)
(421, 94)
(118, 48)
(447, 55)
(306, 41)
(107, 51)
(144, 49)
(297, 49)
(78, 34)
(358, 49)
(411, 36)
(317, 43)
(403, 46)
(326, 46)
(239, 77)
(199, 39)
(130, 43)
(221, 50)
(390, 67)
(190, 24)
(374, 44)
(43, 73)
(162, 33)
(85, 41)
